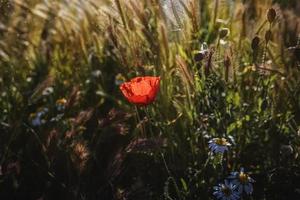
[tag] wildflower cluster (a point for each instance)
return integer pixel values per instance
(235, 185)
(39, 118)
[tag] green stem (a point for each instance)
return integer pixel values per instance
(171, 177)
(216, 11)
(149, 118)
(139, 121)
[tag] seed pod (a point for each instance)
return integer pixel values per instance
(271, 15)
(268, 36)
(255, 43)
(199, 55)
(223, 32)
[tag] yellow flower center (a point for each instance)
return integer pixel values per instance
(61, 101)
(221, 141)
(243, 177)
(226, 191)
(32, 115)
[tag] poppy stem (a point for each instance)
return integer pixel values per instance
(148, 115)
(140, 122)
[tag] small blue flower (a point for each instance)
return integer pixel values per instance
(36, 121)
(226, 191)
(218, 145)
(243, 181)
(36, 118)
(61, 104)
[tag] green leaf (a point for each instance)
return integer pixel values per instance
(236, 99)
(184, 185)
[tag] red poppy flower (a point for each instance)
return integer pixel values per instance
(141, 90)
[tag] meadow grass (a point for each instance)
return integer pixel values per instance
(228, 69)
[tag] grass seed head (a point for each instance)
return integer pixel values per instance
(271, 15)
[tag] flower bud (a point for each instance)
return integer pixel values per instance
(255, 43)
(271, 15)
(223, 32)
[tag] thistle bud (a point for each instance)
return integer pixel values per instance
(271, 15)
(255, 43)
(268, 36)
(223, 32)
